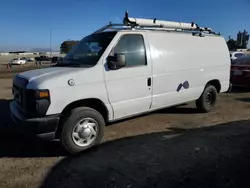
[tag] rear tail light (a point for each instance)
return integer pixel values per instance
(240, 68)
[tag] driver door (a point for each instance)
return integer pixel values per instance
(130, 88)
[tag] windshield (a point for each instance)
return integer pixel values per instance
(242, 61)
(89, 50)
(15, 59)
(238, 55)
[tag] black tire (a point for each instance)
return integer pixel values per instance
(207, 100)
(69, 124)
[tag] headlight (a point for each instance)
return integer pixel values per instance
(37, 102)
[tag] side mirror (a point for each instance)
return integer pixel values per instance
(116, 62)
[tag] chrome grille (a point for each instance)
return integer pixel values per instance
(19, 87)
(17, 94)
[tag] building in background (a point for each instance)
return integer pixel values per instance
(242, 50)
(52, 53)
(242, 39)
(4, 53)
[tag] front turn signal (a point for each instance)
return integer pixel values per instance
(42, 94)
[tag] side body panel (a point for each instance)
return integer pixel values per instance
(183, 64)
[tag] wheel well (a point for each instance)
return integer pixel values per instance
(96, 104)
(216, 84)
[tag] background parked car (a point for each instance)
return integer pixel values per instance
(30, 59)
(240, 72)
(237, 55)
(43, 58)
(18, 61)
(55, 59)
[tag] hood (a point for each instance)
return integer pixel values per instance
(51, 72)
(57, 77)
(50, 77)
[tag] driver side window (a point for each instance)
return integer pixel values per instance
(132, 46)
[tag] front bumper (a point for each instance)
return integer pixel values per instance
(44, 128)
(240, 81)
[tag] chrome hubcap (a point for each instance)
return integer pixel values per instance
(85, 132)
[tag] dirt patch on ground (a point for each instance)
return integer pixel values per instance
(174, 147)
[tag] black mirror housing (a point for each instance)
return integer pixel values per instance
(116, 62)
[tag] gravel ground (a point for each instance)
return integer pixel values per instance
(176, 147)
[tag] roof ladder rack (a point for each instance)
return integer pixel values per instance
(154, 23)
(140, 23)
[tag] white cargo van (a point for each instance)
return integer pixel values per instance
(121, 70)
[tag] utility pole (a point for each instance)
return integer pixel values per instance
(241, 39)
(50, 42)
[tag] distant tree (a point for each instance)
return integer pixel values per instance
(66, 46)
(232, 44)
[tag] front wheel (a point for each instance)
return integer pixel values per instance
(82, 129)
(208, 99)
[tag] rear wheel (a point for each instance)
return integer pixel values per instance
(82, 129)
(208, 99)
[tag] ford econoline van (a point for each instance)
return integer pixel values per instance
(117, 72)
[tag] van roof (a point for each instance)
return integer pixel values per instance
(158, 30)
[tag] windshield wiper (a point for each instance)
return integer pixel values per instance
(72, 65)
(71, 59)
(68, 65)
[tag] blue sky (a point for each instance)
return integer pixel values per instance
(26, 24)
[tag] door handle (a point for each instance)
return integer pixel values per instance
(149, 82)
